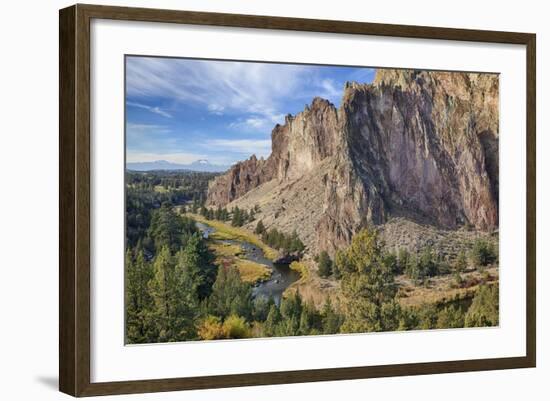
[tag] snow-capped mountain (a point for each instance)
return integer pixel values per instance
(198, 165)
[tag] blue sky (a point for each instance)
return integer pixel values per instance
(183, 110)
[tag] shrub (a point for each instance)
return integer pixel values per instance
(482, 253)
(341, 263)
(427, 317)
(458, 281)
(486, 276)
(412, 269)
(402, 260)
(261, 308)
(450, 317)
(296, 245)
(391, 261)
(419, 267)
(325, 264)
(409, 319)
(211, 328)
(331, 319)
(461, 263)
(484, 308)
(260, 229)
(428, 264)
(336, 272)
(443, 266)
(235, 327)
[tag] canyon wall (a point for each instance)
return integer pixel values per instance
(418, 144)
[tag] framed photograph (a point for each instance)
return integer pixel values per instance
(249, 200)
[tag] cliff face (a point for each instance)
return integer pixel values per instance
(413, 143)
(305, 140)
(297, 147)
(241, 178)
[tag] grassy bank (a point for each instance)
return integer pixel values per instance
(305, 278)
(226, 231)
(301, 268)
(230, 255)
(311, 287)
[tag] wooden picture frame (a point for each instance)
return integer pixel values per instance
(74, 199)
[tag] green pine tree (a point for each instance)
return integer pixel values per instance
(324, 264)
(184, 298)
(484, 310)
(160, 287)
(260, 229)
(461, 262)
(295, 244)
(139, 303)
(331, 321)
(251, 215)
(237, 218)
(368, 287)
(272, 321)
(450, 317)
(166, 228)
(200, 263)
(230, 296)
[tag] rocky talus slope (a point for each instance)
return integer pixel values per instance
(414, 146)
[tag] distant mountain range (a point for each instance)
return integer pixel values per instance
(199, 165)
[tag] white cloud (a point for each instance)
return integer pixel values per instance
(252, 124)
(257, 123)
(216, 109)
(149, 128)
(155, 109)
(261, 148)
(330, 89)
(257, 89)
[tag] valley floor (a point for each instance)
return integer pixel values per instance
(227, 232)
(225, 242)
(438, 290)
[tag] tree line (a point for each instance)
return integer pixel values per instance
(142, 197)
(289, 243)
(367, 278)
(279, 240)
(262, 317)
(171, 180)
(175, 292)
(421, 265)
(238, 217)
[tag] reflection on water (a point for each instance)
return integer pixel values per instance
(282, 276)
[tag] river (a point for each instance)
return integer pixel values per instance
(282, 276)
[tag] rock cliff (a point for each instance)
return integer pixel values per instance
(414, 144)
(241, 178)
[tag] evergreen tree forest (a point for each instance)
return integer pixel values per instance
(367, 274)
(176, 291)
(147, 191)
